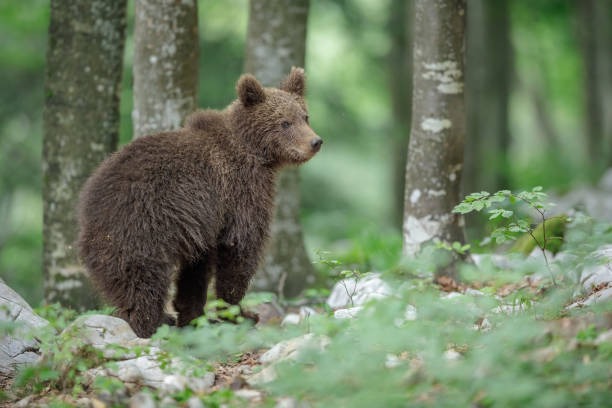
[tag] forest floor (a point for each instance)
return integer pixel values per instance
(373, 341)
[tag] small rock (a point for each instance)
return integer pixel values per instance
(289, 349)
(356, 292)
(17, 348)
(410, 313)
(84, 403)
(510, 309)
(96, 403)
(177, 383)
(594, 202)
(538, 255)
(194, 402)
(291, 318)
(263, 376)
(142, 400)
(167, 402)
(392, 361)
(597, 297)
(173, 383)
(249, 394)
(450, 295)
(500, 261)
(605, 337)
(286, 402)
(25, 402)
(451, 354)
(473, 292)
(245, 369)
(268, 312)
(485, 325)
(101, 331)
(306, 311)
(600, 274)
(204, 383)
(347, 313)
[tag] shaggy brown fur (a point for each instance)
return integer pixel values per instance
(179, 207)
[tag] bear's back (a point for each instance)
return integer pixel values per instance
(160, 189)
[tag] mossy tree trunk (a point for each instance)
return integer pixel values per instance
(81, 127)
(165, 64)
(435, 150)
(400, 86)
(277, 41)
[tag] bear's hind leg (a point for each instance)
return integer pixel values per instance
(142, 296)
(233, 274)
(191, 286)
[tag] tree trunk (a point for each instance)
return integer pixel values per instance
(165, 64)
(276, 42)
(81, 127)
(487, 90)
(595, 22)
(400, 86)
(435, 151)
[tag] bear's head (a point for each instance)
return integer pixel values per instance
(274, 122)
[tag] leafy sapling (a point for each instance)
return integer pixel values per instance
(534, 199)
(344, 275)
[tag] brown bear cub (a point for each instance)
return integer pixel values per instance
(175, 208)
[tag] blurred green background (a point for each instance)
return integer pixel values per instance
(347, 190)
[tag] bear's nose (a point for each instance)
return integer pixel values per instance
(316, 143)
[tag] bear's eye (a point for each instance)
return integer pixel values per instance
(306, 118)
(285, 124)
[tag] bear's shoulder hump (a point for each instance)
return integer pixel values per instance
(205, 119)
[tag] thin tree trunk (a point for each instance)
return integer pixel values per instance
(543, 116)
(276, 42)
(488, 76)
(435, 151)
(165, 64)
(81, 127)
(603, 13)
(595, 21)
(400, 86)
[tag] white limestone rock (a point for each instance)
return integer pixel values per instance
(355, 292)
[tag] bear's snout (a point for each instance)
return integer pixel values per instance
(316, 144)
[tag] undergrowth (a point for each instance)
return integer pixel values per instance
(514, 343)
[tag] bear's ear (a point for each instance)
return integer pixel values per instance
(250, 91)
(295, 82)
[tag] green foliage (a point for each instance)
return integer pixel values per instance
(459, 351)
(554, 228)
(66, 357)
(512, 225)
(590, 333)
(109, 384)
(455, 246)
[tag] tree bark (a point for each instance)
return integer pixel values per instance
(165, 64)
(595, 31)
(400, 86)
(276, 42)
(435, 151)
(81, 127)
(488, 73)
